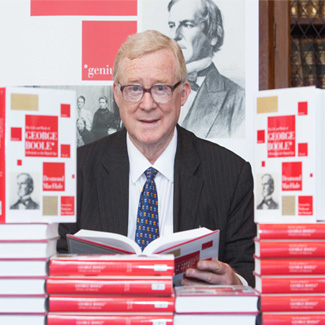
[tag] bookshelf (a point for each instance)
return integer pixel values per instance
(281, 24)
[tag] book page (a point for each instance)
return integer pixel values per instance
(162, 243)
(110, 239)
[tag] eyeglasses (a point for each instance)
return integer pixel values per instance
(160, 93)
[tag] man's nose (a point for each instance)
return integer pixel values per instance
(178, 33)
(147, 101)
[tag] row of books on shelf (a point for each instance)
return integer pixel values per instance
(308, 62)
(307, 9)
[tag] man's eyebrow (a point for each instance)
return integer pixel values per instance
(183, 22)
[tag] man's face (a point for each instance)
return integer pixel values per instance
(186, 28)
(23, 186)
(80, 125)
(102, 103)
(80, 103)
(267, 186)
(148, 123)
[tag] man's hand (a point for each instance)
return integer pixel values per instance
(211, 272)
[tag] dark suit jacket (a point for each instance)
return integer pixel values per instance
(218, 110)
(213, 187)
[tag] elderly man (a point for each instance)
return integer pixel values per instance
(216, 106)
(25, 186)
(198, 182)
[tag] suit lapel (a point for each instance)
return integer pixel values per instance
(207, 104)
(187, 185)
(113, 184)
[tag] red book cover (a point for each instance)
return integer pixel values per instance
(158, 286)
(289, 248)
(112, 265)
(291, 318)
(292, 302)
(290, 284)
(290, 266)
(291, 231)
(101, 303)
(111, 319)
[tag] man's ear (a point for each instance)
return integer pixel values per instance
(214, 41)
(185, 92)
(115, 91)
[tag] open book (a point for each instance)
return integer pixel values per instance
(188, 247)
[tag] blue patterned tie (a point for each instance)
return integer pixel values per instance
(147, 220)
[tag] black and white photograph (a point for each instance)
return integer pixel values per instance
(211, 34)
(97, 113)
(267, 198)
(24, 195)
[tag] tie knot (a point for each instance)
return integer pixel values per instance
(151, 173)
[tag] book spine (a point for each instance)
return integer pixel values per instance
(322, 9)
(291, 266)
(291, 284)
(291, 231)
(117, 319)
(74, 303)
(2, 155)
(146, 286)
(294, 8)
(320, 60)
(291, 249)
(289, 303)
(296, 66)
(308, 60)
(292, 318)
(308, 9)
(111, 268)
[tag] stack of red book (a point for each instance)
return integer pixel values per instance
(212, 304)
(24, 253)
(290, 273)
(110, 289)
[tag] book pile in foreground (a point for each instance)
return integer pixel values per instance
(290, 273)
(210, 305)
(24, 253)
(110, 289)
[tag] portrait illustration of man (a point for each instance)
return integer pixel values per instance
(216, 106)
(267, 190)
(25, 187)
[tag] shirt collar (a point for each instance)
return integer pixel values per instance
(164, 164)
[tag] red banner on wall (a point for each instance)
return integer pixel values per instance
(83, 8)
(100, 43)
